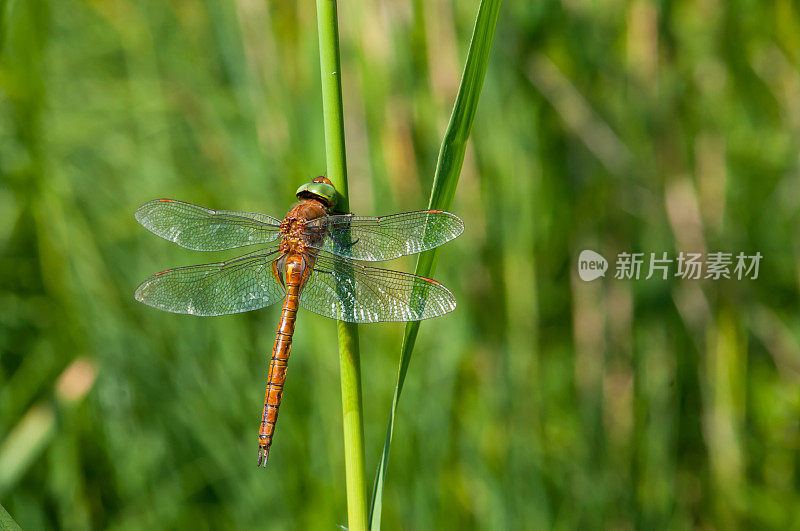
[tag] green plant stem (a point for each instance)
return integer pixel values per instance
(349, 357)
(353, 425)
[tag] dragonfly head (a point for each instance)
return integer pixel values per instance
(321, 189)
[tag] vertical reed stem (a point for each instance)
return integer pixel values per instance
(349, 360)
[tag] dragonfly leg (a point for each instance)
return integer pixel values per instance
(348, 245)
(341, 243)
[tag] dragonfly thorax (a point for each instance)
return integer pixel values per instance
(293, 226)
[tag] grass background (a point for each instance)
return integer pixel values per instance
(542, 401)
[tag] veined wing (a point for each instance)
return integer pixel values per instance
(203, 229)
(238, 285)
(346, 291)
(377, 239)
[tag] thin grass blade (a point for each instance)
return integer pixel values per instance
(448, 170)
(7, 523)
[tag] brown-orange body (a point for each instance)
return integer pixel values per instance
(291, 269)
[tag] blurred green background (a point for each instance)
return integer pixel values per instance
(542, 401)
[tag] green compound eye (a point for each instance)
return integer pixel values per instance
(321, 190)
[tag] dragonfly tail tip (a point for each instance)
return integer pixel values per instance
(263, 455)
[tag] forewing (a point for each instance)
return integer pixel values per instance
(238, 285)
(383, 238)
(343, 290)
(203, 229)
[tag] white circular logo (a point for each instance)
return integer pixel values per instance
(591, 265)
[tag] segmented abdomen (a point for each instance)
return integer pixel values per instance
(280, 358)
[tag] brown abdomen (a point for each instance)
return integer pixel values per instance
(280, 359)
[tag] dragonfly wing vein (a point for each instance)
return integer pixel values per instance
(347, 291)
(375, 239)
(203, 229)
(239, 285)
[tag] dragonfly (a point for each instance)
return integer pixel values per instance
(314, 259)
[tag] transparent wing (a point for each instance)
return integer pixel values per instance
(377, 239)
(238, 285)
(343, 290)
(203, 229)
